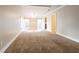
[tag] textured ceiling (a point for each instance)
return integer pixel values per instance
(27, 10)
(37, 10)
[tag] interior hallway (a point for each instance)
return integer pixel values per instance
(42, 42)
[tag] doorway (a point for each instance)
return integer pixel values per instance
(54, 23)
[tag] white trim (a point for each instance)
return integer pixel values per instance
(76, 40)
(7, 45)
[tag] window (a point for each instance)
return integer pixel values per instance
(24, 24)
(32, 25)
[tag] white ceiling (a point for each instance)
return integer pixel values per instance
(36, 11)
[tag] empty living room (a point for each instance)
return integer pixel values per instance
(39, 28)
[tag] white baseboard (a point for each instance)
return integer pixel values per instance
(76, 40)
(7, 45)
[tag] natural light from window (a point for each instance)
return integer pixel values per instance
(25, 25)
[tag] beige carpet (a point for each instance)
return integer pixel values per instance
(42, 42)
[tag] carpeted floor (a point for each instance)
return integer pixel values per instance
(42, 42)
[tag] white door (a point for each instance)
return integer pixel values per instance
(40, 25)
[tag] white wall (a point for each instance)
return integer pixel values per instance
(9, 24)
(68, 21)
